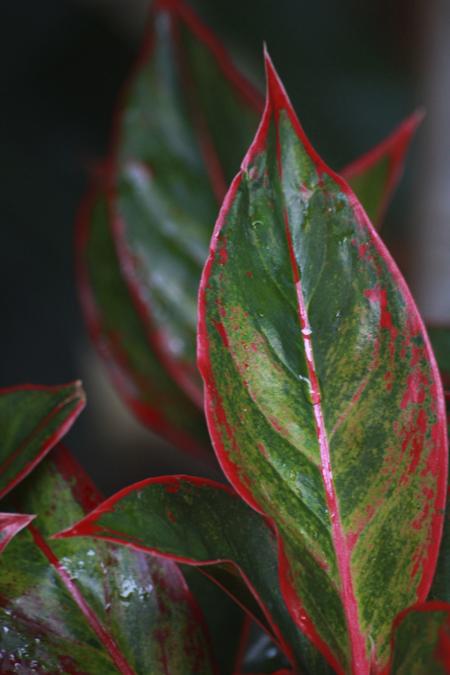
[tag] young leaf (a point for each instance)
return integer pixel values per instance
(177, 148)
(422, 640)
(306, 332)
(10, 525)
(32, 420)
(197, 521)
(120, 338)
(84, 606)
(374, 176)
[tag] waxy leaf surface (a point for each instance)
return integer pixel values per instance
(187, 118)
(83, 606)
(322, 395)
(119, 335)
(422, 641)
(200, 522)
(32, 420)
(374, 176)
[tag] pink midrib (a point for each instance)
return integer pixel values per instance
(360, 663)
(105, 638)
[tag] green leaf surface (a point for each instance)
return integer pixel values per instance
(440, 340)
(82, 606)
(322, 395)
(178, 146)
(201, 522)
(374, 176)
(119, 335)
(422, 641)
(32, 420)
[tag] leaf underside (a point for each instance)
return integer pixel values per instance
(306, 332)
(85, 606)
(32, 420)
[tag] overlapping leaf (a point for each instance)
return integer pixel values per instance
(118, 332)
(204, 523)
(84, 606)
(322, 394)
(187, 119)
(32, 420)
(10, 525)
(422, 641)
(375, 175)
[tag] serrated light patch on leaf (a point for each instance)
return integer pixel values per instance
(321, 358)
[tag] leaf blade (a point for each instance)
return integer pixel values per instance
(33, 419)
(89, 605)
(197, 521)
(266, 350)
(375, 176)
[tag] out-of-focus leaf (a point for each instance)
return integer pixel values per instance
(440, 340)
(119, 335)
(84, 606)
(375, 175)
(322, 394)
(197, 521)
(224, 618)
(32, 420)
(10, 525)
(422, 640)
(187, 118)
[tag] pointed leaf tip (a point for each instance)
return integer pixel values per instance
(10, 525)
(296, 366)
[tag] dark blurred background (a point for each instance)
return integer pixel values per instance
(354, 70)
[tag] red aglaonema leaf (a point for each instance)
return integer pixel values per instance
(119, 335)
(375, 176)
(176, 148)
(203, 523)
(32, 420)
(10, 525)
(80, 606)
(421, 642)
(322, 394)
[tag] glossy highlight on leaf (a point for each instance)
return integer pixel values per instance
(119, 335)
(375, 175)
(306, 332)
(85, 607)
(32, 420)
(176, 149)
(200, 522)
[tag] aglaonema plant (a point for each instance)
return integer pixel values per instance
(326, 412)
(321, 393)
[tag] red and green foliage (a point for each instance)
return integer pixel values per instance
(320, 388)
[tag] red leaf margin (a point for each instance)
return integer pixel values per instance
(10, 525)
(54, 438)
(276, 99)
(87, 527)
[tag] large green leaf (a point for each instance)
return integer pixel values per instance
(200, 522)
(32, 420)
(187, 119)
(118, 333)
(422, 641)
(375, 175)
(322, 394)
(85, 606)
